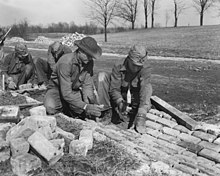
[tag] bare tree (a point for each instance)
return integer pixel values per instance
(167, 17)
(146, 12)
(127, 10)
(179, 7)
(202, 6)
(152, 4)
(103, 11)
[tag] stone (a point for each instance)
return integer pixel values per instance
(182, 129)
(9, 114)
(209, 128)
(175, 147)
(66, 135)
(217, 141)
(153, 125)
(26, 127)
(210, 154)
(58, 143)
(211, 146)
(24, 165)
(4, 151)
(185, 169)
(204, 136)
(189, 138)
(154, 133)
(170, 131)
(86, 136)
(45, 148)
(152, 117)
(78, 148)
(99, 137)
(167, 123)
(168, 138)
(39, 110)
(195, 148)
(19, 146)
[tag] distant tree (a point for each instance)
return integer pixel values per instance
(103, 11)
(20, 29)
(152, 4)
(202, 6)
(167, 17)
(127, 10)
(146, 12)
(179, 7)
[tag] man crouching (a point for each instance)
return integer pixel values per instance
(70, 89)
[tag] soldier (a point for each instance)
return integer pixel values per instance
(131, 73)
(44, 67)
(70, 89)
(18, 67)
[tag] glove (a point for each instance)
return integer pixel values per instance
(12, 85)
(139, 123)
(122, 105)
(93, 110)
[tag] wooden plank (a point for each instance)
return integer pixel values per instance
(180, 117)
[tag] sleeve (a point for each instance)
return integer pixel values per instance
(87, 86)
(67, 49)
(145, 90)
(73, 98)
(50, 58)
(33, 78)
(5, 63)
(115, 85)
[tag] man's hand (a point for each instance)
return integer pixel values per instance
(122, 105)
(12, 85)
(93, 110)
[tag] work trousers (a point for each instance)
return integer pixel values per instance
(43, 70)
(26, 73)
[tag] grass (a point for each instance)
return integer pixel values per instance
(194, 42)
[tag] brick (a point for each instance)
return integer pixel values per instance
(170, 131)
(168, 138)
(210, 154)
(66, 135)
(169, 145)
(78, 148)
(153, 125)
(58, 144)
(182, 129)
(217, 141)
(44, 148)
(19, 146)
(185, 169)
(44, 124)
(154, 133)
(180, 117)
(167, 123)
(189, 138)
(167, 116)
(87, 137)
(147, 138)
(204, 161)
(26, 164)
(195, 148)
(166, 149)
(204, 136)
(152, 117)
(39, 110)
(189, 154)
(155, 112)
(211, 146)
(4, 151)
(209, 128)
(9, 114)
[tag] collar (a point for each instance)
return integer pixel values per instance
(123, 68)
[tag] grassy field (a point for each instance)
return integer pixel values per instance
(193, 42)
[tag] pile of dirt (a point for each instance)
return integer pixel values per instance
(70, 38)
(7, 99)
(44, 40)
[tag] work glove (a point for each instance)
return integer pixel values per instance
(139, 123)
(122, 105)
(93, 110)
(12, 85)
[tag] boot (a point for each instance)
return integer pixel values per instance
(139, 123)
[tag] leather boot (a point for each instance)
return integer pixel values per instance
(139, 123)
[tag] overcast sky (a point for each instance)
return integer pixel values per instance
(48, 11)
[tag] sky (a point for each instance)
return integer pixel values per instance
(44, 12)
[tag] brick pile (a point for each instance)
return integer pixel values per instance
(70, 38)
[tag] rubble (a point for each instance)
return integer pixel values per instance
(9, 114)
(19, 146)
(42, 39)
(17, 39)
(70, 38)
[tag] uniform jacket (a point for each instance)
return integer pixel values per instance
(140, 83)
(74, 81)
(51, 59)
